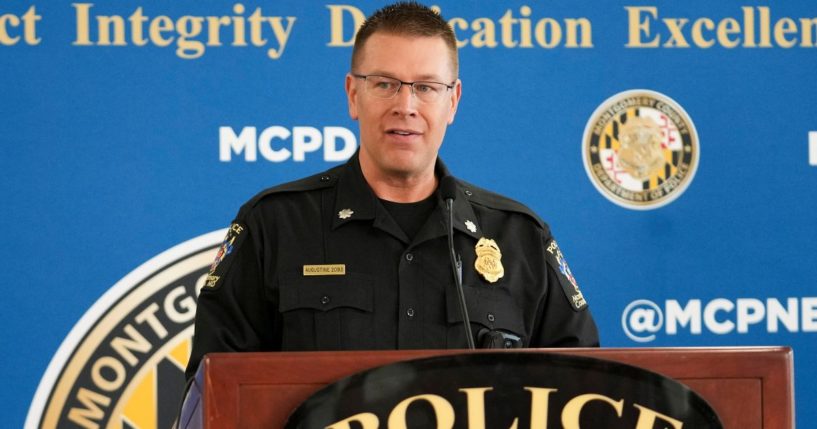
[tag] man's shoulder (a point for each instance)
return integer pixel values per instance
(494, 201)
(326, 179)
(315, 182)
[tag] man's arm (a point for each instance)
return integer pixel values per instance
(233, 313)
(563, 317)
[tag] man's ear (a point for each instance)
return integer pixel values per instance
(351, 95)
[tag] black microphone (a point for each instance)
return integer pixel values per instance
(448, 190)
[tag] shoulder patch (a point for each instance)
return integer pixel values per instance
(566, 280)
(496, 201)
(225, 255)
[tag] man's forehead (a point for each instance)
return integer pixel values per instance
(388, 54)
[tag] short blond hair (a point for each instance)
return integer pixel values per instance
(406, 19)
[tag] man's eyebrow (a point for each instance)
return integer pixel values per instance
(431, 77)
(421, 78)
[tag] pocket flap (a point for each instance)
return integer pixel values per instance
(487, 306)
(326, 293)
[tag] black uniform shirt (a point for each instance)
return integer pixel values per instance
(376, 289)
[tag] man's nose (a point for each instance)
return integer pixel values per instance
(405, 102)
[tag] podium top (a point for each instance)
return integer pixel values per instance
(749, 387)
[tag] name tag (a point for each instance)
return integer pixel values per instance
(325, 270)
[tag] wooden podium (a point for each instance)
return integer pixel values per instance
(749, 387)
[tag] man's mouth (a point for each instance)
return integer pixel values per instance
(402, 132)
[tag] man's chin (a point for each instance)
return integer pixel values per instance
(403, 163)
(407, 168)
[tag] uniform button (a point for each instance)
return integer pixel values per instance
(325, 299)
(325, 178)
(410, 312)
(491, 317)
(409, 257)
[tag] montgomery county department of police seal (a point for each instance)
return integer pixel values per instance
(122, 365)
(640, 149)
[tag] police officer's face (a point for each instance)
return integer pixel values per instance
(400, 136)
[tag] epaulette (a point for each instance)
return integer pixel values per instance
(493, 200)
(323, 180)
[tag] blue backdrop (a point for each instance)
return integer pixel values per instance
(117, 148)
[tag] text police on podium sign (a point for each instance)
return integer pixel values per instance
(505, 390)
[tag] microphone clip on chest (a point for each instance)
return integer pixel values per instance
(448, 190)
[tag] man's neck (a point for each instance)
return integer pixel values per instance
(400, 188)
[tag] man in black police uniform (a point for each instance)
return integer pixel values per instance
(356, 258)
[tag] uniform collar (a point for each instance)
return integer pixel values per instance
(356, 201)
(464, 216)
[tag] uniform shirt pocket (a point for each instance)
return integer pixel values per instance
(488, 308)
(326, 312)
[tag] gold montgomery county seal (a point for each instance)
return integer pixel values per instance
(122, 365)
(489, 260)
(640, 149)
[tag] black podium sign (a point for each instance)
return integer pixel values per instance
(505, 390)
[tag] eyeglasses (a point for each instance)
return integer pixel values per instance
(387, 87)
